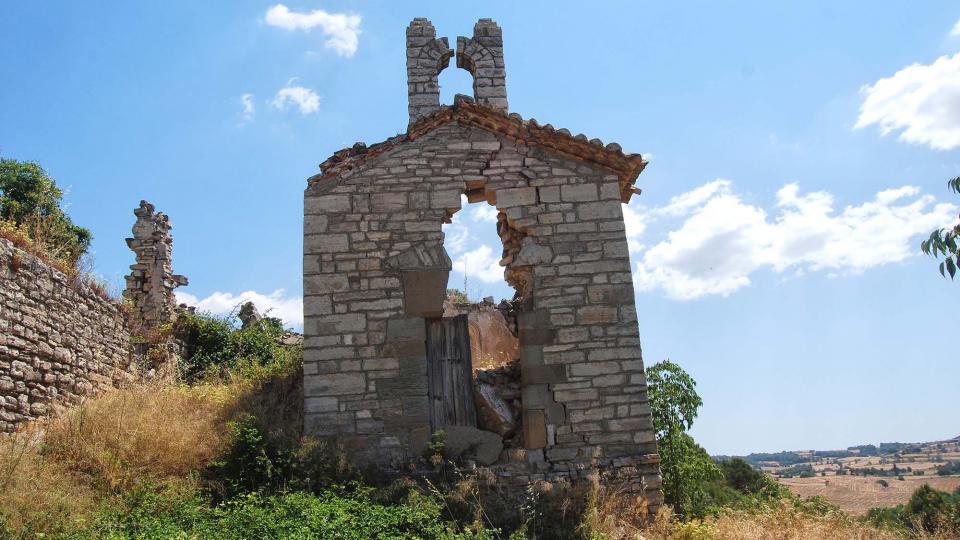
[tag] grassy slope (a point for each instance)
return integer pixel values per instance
(128, 464)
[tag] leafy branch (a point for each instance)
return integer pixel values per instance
(943, 242)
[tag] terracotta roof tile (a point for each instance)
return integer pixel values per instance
(512, 126)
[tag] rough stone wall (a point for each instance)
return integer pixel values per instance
(151, 281)
(59, 341)
(427, 56)
(584, 393)
(482, 56)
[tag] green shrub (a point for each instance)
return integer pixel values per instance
(933, 509)
(251, 463)
(744, 478)
(457, 296)
(257, 463)
(30, 199)
(214, 345)
(946, 469)
(160, 513)
(929, 511)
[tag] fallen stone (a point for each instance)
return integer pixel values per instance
(470, 442)
(493, 413)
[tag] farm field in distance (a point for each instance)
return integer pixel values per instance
(856, 495)
(863, 477)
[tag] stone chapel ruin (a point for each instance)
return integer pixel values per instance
(384, 369)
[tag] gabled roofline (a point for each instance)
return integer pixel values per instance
(512, 126)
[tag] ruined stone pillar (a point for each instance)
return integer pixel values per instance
(427, 56)
(482, 56)
(151, 281)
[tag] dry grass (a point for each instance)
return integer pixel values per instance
(612, 513)
(23, 239)
(55, 474)
(36, 492)
(786, 522)
(79, 270)
(142, 434)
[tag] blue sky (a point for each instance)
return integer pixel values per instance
(797, 156)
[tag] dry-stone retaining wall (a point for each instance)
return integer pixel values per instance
(59, 341)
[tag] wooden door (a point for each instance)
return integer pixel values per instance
(449, 373)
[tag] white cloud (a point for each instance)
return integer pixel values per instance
(682, 203)
(481, 263)
(304, 98)
(275, 304)
(634, 225)
(921, 101)
(723, 240)
(249, 109)
(484, 212)
(955, 31)
(456, 238)
(340, 30)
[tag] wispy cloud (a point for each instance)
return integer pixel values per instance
(484, 213)
(301, 97)
(955, 31)
(249, 109)
(470, 255)
(722, 240)
(921, 101)
(341, 30)
(482, 263)
(276, 304)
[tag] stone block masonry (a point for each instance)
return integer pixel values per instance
(59, 341)
(375, 272)
(62, 341)
(151, 281)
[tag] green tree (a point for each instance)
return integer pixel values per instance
(743, 477)
(214, 344)
(931, 509)
(31, 199)
(943, 242)
(686, 467)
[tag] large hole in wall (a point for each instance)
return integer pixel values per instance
(479, 294)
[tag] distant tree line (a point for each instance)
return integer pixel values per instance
(787, 459)
(950, 468)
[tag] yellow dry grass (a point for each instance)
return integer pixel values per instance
(55, 475)
(783, 523)
(57, 471)
(140, 434)
(614, 514)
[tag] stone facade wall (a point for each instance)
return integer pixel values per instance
(59, 342)
(584, 393)
(375, 273)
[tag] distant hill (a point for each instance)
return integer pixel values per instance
(789, 458)
(865, 476)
